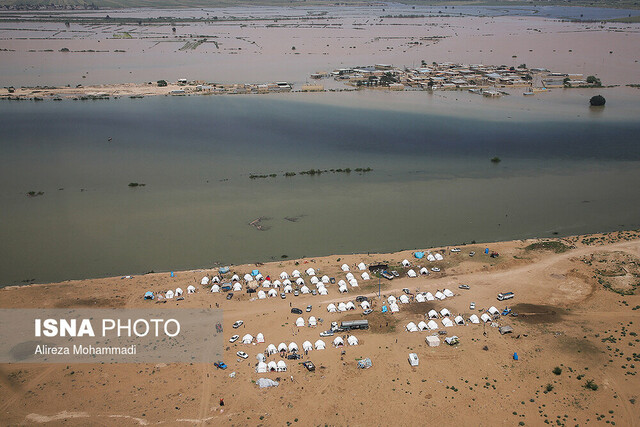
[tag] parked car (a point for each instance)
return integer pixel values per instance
(361, 298)
(464, 287)
(472, 306)
(386, 275)
(296, 293)
(309, 365)
(332, 280)
(283, 295)
(234, 338)
(230, 295)
(326, 334)
(251, 291)
(314, 292)
(296, 310)
(367, 311)
(406, 291)
(455, 249)
(436, 269)
(472, 253)
(238, 324)
(220, 365)
(242, 354)
(308, 308)
(294, 356)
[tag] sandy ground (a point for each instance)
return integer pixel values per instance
(567, 318)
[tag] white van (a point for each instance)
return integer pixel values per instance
(413, 359)
(505, 295)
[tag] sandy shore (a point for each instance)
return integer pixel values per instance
(567, 318)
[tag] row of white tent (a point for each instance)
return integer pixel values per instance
(306, 346)
(272, 366)
(248, 338)
(179, 292)
(312, 322)
(331, 308)
(446, 322)
(430, 257)
(360, 266)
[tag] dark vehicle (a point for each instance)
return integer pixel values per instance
(442, 332)
(283, 295)
(332, 280)
(386, 275)
(374, 268)
(494, 255)
(361, 298)
(226, 288)
(354, 324)
(308, 308)
(230, 295)
(314, 292)
(220, 365)
(294, 356)
(464, 287)
(251, 291)
(296, 310)
(309, 365)
(406, 291)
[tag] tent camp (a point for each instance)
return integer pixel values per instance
(342, 306)
(405, 263)
(440, 295)
(261, 358)
(420, 298)
(446, 322)
(307, 346)
(314, 280)
(338, 342)
(215, 279)
(331, 308)
(353, 283)
(485, 317)
(350, 276)
(237, 287)
(179, 292)
(277, 283)
(494, 310)
(293, 347)
(323, 291)
(284, 275)
(445, 313)
(260, 338)
(259, 277)
(447, 293)
(411, 273)
(343, 289)
(247, 339)
(433, 341)
(271, 349)
(345, 267)
(325, 279)
(429, 296)
(299, 322)
(282, 347)
(432, 325)
(205, 280)
(422, 325)
(312, 321)
(459, 320)
(365, 276)
(295, 273)
(424, 270)
(272, 366)
(391, 299)
(262, 295)
(304, 290)
(362, 266)
(439, 257)
(282, 367)
(394, 308)
(168, 294)
(352, 340)
(319, 345)
(342, 283)
(266, 283)
(365, 305)
(350, 305)
(235, 278)
(404, 299)
(431, 258)
(286, 282)
(310, 271)
(272, 293)
(247, 277)
(411, 327)
(191, 289)
(215, 288)
(474, 319)
(287, 289)
(299, 281)
(432, 314)
(262, 368)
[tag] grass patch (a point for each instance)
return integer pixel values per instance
(557, 247)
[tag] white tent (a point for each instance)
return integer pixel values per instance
(179, 292)
(474, 319)
(342, 289)
(325, 279)
(394, 308)
(350, 276)
(277, 283)
(215, 288)
(248, 277)
(304, 290)
(391, 299)
(299, 322)
(314, 280)
(287, 289)
(272, 293)
(262, 295)
(215, 279)
(307, 346)
(405, 263)
(284, 275)
(411, 273)
(260, 337)
(286, 282)
(420, 298)
(342, 306)
(446, 322)
(319, 345)
(432, 325)
(494, 310)
(431, 258)
(341, 283)
(411, 327)
(424, 270)
(430, 296)
(433, 341)
(271, 349)
(404, 299)
(331, 308)
(282, 347)
(447, 293)
(323, 291)
(423, 326)
(262, 368)
(445, 313)
(365, 276)
(237, 287)
(293, 347)
(439, 257)
(295, 273)
(169, 294)
(352, 340)
(299, 281)
(338, 341)
(282, 367)
(345, 267)
(311, 272)
(191, 289)
(365, 305)
(272, 366)
(459, 320)
(259, 277)
(205, 280)
(261, 358)
(432, 314)
(350, 305)
(235, 278)
(485, 317)
(353, 283)
(266, 283)
(362, 266)
(247, 339)
(440, 295)
(312, 321)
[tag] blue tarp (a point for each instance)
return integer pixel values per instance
(486, 250)
(418, 255)
(223, 270)
(254, 273)
(384, 308)
(515, 356)
(148, 295)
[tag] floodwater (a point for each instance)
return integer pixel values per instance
(432, 181)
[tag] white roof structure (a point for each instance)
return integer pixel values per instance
(350, 305)
(179, 292)
(305, 289)
(284, 275)
(365, 276)
(259, 276)
(299, 322)
(411, 327)
(432, 341)
(320, 345)
(447, 293)
(431, 258)
(362, 266)
(350, 276)
(338, 341)
(331, 308)
(432, 325)
(282, 347)
(262, 368)
(424, 270)
(411, 273)
(445, 313)
(352, 340)
(271, 349)
(494, 310)
(429, 296)
(287, 289)
(169, 294)
(310, 271)
(342, 306)
(343, 289)
(248, 277)
(325, 279)
(295, 273)
(353, 283)
(405, 263)
(286, 282)
(439, 257)
(293, 347)
(282, 367)
(420, 298)
(345, 267)
(446, 322)
(440, 295)
(191, 289)
(404, 299)
(299, 281)
(314, 280)
(422, 325)
(485, 317)
(394, 308)
(391, 299)
(272, 293)
(262, 295)
(261, 358)
(247, 339)
(215, 279)
(235, 278)
(237, 287)
(323, 291)
(307, 346)
(365, 305)
(272, 366)
(474, 319)
(459, 320)
(341, 282)
(432, 314)
(277, 283)
(266, 283)
(313, 321)
(215, 288)
(260, 337)
(205, 280)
